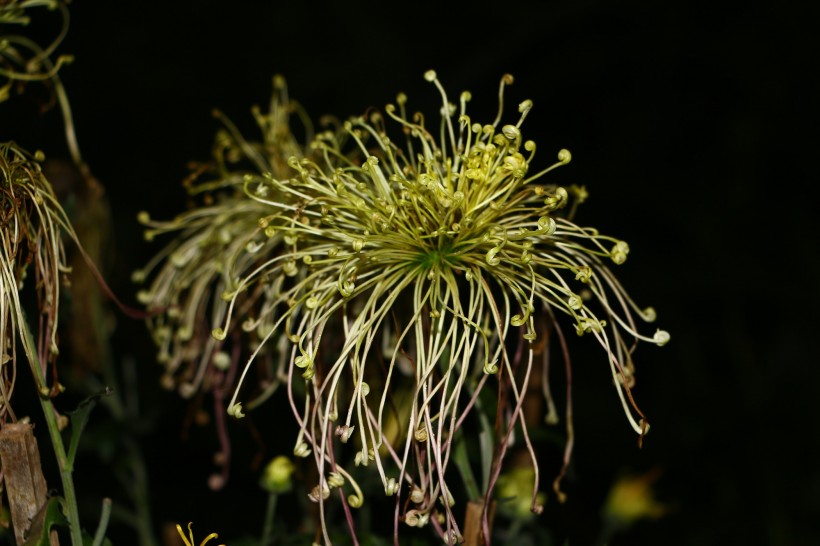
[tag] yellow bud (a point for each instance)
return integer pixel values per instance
(277, 475)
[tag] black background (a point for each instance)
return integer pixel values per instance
(691, 128)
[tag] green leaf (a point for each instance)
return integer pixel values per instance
(52, 516)
(463, 464)
(485, 442)
(79, 419)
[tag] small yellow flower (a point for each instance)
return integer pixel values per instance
(189, 540)
(514, 492)
(277, 477)
(631, 499)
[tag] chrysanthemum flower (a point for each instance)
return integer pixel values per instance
(426, 265)
(194, 280)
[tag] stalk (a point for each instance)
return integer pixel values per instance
(270, 512)
(66, 468)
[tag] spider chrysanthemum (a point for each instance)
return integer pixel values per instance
(416, 265)
(192, 277)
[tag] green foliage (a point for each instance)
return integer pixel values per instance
(53, 517)
(79, 419)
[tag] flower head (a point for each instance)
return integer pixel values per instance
(193, 277)
(277, 476)
(32, 224)
(514, 494)
(631, 498)
(418, 262)
(189, 540)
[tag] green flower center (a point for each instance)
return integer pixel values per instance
(439, 257)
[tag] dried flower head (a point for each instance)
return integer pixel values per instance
(32, 224)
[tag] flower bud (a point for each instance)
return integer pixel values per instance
(277, 475)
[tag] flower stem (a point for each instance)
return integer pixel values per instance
(270, 511)
(66, 468)
(99, 536)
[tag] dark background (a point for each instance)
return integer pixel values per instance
(691, 128)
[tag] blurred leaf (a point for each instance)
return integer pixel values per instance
(462, 461)
(4, 92)
(5, 521)
(79, 419)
